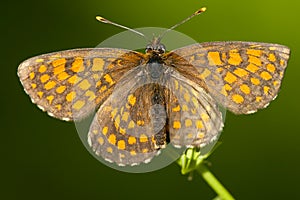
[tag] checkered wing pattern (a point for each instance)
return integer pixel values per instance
(144, 114)
(71, 84)
(242, 76)
(122, 131)
(194, 118)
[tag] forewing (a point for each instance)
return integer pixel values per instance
(71, 84)
(242, 76)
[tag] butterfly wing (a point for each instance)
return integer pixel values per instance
(144, 114)
(122, 131)
(70, 84)
(242, 76)
(194, 118)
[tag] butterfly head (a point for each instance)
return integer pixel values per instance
(155, 47)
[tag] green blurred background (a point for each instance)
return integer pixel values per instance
(43, 158)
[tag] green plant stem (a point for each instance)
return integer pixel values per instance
(213, 182)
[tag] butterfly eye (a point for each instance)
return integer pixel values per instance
(161, 49)
(149, 47)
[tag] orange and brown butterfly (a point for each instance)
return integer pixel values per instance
(145, 101)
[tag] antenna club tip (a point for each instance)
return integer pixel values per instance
(201, 10)
(101, 19)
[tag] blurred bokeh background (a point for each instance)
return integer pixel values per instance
(43, 158)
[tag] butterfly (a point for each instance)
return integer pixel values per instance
(141, 102)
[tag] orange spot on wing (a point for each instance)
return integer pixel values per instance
(50, 99)
(227, 87)
(176, 109)
(205, 74)
(121, 144)
(258, 99)
(176, 124)
(103, 88)
(125, 116)
(98, 64)
(237, 98)
(112, 139)
(188, 123)
(62, 76)
(240, 72)
(245, 89)
(58, 106)
(254, 60)
(265, 75)
(58, 62)
(271, 57)
(205, 117)
(131, 140)
(40, 94)
(143, 138)
(252, 68)
(44, 78)
(31, 75)
(39, 60)
(214, 58)
(122, 131)
(131, 99)
(266, 90)
(108, 79)
(255, 81)
(104, 130)
(140, 122)
(33, 85)
(199, 124)
(84, 85)
(74, 79)
(131, 124)
(77, 65)
(270, 68)
(235, 59)
(61, 89)
(230, 78)
(275, 83)
(100, 140)
(42, 68)
(78, 104)
(50, 85)
(117, 122)
(254, 52)
(70, 96)
(109, 149)
(90, 94)
(145, 150)
(58, 69)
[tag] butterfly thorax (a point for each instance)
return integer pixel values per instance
(154, 52)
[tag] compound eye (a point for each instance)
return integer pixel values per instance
(162, 49)
(149, 47)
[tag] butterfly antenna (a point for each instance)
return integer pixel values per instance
(198, 12)
(106, 21)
